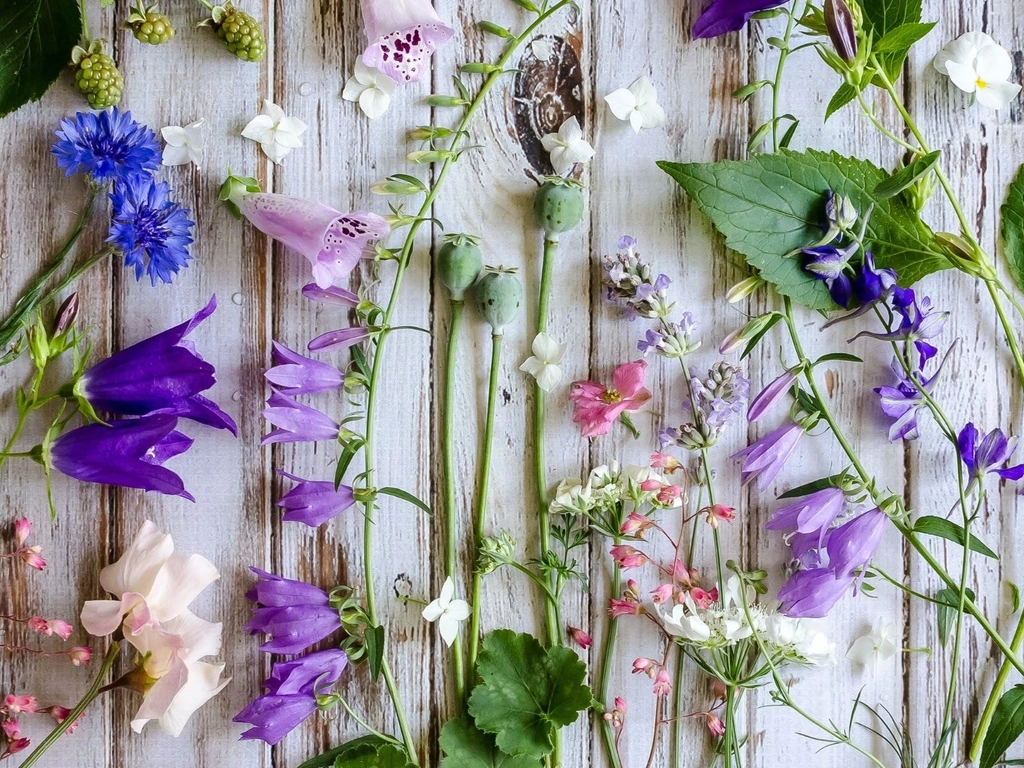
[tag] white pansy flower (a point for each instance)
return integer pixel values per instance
(371, 88)
(184, 144)
(877, 645)
(544, 364)
(638, 104)
(567, 147)
(277, 133)
(447, 612)
(978, 64)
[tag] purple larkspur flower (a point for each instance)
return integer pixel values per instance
(722, 16)
(159, 375)
(811, 514)
(904, 401)
(766, 458)
(126, 453)
(342, 338)
(852, 545)
(296, 423)
(871, 283)
(291, 692)
(294, 374)
(812, 593)
(151, 231)
(314, 502)
(990, 453)
(293, 613)
(109, 146)
(770, 396)
(919, 323)
(828, 262)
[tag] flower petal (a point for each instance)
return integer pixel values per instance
(621, 102)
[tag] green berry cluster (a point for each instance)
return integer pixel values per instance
(153, 28)
(98, 80)
(241, 34)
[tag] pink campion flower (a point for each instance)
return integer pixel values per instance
(666, 463)
(662, 684)
(24, 703)
(618, 608)
(714, 724)
(80, 655)
(51, 627)
(580, 637)
(598, 406)
(717, 512)
(627, 557)
(663, 594)
(635, 525)
(401, 37)
(703, 598)
(22, 528)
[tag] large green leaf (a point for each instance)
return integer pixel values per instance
(527, 692)
(364, 752)
(771, 205)
(36, 38)
(466, 746)
(1007, 726)
(1013, 228)
(882, 18)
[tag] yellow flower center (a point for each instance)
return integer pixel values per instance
(982, 85)
(611, 396)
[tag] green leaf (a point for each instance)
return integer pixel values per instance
(37, 38)
(806, 489)
(373, 640)
(949, 603)
(902, 38)
(1013, 229)
(466, 746)
(884, 17)
(398, 493)
(842, 357)
(930, 525)
(905, 178)
(365, 747)
(840, 99)
(352, 449)
(527, 692)
(1007, 726)
(772, 205)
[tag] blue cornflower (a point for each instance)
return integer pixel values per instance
(109, 146)
(152, 231)
(990, 453)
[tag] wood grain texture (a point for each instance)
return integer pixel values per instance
(576, 60)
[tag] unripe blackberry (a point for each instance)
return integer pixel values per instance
(153, 28)
(239, 32)
(98, 80)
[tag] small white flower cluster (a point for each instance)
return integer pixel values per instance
(796, 641)
(608, 486)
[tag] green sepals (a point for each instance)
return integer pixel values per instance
(37, 43)
(490, 28)
(1007, 726)
(237, 31)
(499, 296)
(38, 345)
(428, 156)
(814, 21)
(401, 184)
(430, 133)
(440, 100)
(1012, 228)
(234, 189)
(772, 205)
(364, 752)
(466, 746)
(479, 68)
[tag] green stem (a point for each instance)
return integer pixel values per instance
(779, 70)
(23, 412)
(85, 24)
(75, 713)
(480, 517)
(996, 694)
(675, 745)
(730, 742)
(607, 651)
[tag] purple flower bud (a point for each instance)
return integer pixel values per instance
(296, 616)
(294, 374)
(330, 295)
(853, 544)
(841, 29)
(811, 594)
(314, 502)
(66, 315)
(765, 458)
(340, 339)
(770, 396)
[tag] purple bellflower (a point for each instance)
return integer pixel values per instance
(109, 146)
(812, 593)
(990, 453)
(340, 339)
(770, 396)
(291, 692)
(330, 295)
(723, 16)
(295, 614)
(128, 453)
(852, 545)
(296, 423)
(765, 458)
(314, 502)
(294, 374)
(159, 375)
(811, 514)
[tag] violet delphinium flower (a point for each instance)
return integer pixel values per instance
(162, 374)
(831, 264)
(314, 502)
(294, 374)
(812, 593)
(598, 406)
(295, 614)
(333, 242)
(296, 423)
(291, 692)
(401, 37)
(919, 323)
(109, 146)
(149, 229)
(904, 402)
(723, 16)
(765, 458)
(811, 514)
(990, 453)
(127, 453)
(343, 338)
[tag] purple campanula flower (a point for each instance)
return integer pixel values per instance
(291, 692)
(770, 396)
(294, 374)
(990, 453)
(852, 545)
(765, 458)
(812, 514)
(126, 453)
(721, 16)
(296, 423)
(151, 231)
(314, 502)
(159, 375)
(807, 548)
(109, 146)
(340, 339)
(811, 594)
(331, 295)
(295, 614)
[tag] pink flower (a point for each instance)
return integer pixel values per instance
(60, 714)
(703, 598)
(401, 36)
(16, 704)
(598, 406)
(663, 593)
(15, 746)
(22, 528)
(31, 557)
(646, 666)
(50, 627)
(580, 637)
(669, 495)
(683, 575)
(618, 608)
(718, 512)
(665, 462)
(80, 655)
(617, 717)
(635, 525)
(627, 557)
(11, 728)
(662, 684)
(714, 723)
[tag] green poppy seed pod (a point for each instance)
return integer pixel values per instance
(500, 295)
(459, 263)
(841, 28)
(559, 206)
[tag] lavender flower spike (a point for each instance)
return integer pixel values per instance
(295, 614)
(401, 37)
(723, 16)
(296, 423)
(811, 594)
(294, 374)
(160, 375)
(989, 454)
(125, 453)
(765, 458)
(314, 502)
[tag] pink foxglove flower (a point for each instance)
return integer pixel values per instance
(402, 35)
(598, 406)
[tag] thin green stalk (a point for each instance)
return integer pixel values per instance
(675, 743)
(729, 742)
(23, 412)
(451, 549)
(90, 696)
(480, 517)
(997, 692)
(607, 650)
(779, 71)
(85, 28)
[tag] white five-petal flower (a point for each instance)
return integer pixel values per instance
(567, 147)
(877, 645)
(544, 364)
(183, 144)
(638, 104)
(447, 612)
(371, 88)
(277, 133)
(978, 64)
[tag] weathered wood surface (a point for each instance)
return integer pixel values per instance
(311, 48)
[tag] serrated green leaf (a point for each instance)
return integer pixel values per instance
(840, 99)
(883, 17)
(930, 525)
(37, 37)
(387, 756)
(769, 206)
(1007, 726)
(466, 746)
(372, 746)
(527, 692)
(1013, 228)
(902, 38)
(373, 640)
(905, 177)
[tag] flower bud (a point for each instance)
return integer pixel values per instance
(743, 288)
(558, 206)
(841, 29)
(500, 295)
(459, 263)
(234, 189)
(66, 315)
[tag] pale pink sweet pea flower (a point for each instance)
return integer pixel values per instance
(402, 35)
(598, 406)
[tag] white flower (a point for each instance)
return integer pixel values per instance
(800, 640)
(684, 621)
(978, 64)
(567, 147)
(572, 497)
(544, 365)
(277, 133)
(448, 613)
(371, 88)
(877, 645)
(183, 144)
(638, 104)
